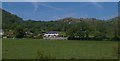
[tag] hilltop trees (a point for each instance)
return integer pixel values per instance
(9, 21)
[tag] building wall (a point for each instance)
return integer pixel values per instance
(50, 35)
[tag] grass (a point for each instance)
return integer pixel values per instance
(0, 49)
(60, 49)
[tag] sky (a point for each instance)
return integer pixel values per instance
(46, 11)
(60, 0)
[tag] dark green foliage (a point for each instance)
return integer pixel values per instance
(9, 21)
(19, 32)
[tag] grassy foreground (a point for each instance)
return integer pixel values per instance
(60, 49)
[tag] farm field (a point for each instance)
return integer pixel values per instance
(60, 49)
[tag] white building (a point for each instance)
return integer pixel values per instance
(1, 33)
(51, 34)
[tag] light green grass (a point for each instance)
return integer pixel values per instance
(61, 49)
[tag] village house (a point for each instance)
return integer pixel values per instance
(51, 34)
(1, 33)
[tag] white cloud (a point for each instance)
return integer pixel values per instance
(36, 6)
(97, 5)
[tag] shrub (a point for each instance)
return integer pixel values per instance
(44, 55)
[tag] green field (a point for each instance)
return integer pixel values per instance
(60, 49)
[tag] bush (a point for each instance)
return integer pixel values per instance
(44, 55)
(116, 38)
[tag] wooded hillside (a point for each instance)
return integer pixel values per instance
(74, 28)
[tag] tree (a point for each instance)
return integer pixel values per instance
(19, 32)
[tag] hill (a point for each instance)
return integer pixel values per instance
(73, 27)
(9, 21)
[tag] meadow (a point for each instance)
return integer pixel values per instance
(59, 49)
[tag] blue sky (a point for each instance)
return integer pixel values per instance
(57, 10)
(59, 0)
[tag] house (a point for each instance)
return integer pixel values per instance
(1, 33)
(51, 34)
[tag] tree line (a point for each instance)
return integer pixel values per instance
(74, 28)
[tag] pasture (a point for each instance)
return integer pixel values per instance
(60, 49)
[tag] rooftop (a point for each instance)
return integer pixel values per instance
(51, 32)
